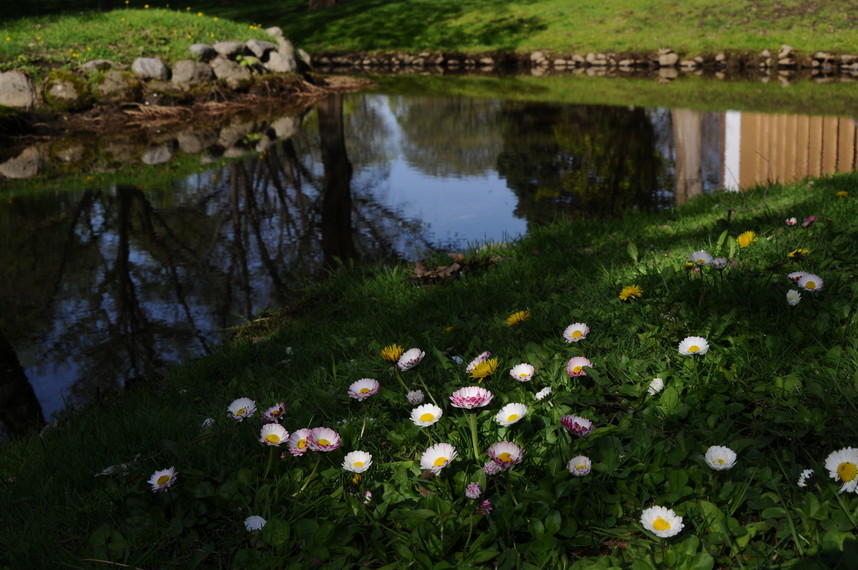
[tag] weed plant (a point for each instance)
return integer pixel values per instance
(773, 382)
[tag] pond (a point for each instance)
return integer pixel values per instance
(124, 255)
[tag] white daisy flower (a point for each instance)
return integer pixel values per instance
(656, 386)
(810, 282)
(254, 522)
(357, 461)
(510, 414)
(580, 466)
(719, 263)
(720, 458)
(522, 372)
(414, 396)
(273, 434)
(163, 479)
(842, 466)
(661, 521)
(693, 345)
(701, 258)
(364, 388)
(793, 297)
(576, 332)
(544, 393)
(426, 415)
(241, 408)
(438, 456)
(805, 475)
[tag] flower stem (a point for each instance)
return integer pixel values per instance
(472, 419)
(431, 397)
(270, 459)
(310, 476)
(398, 377)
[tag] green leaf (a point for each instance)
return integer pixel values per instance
(633, 251)
(721, 240)
(669, 400)
(276, 532)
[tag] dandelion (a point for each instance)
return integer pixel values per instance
(842, 193)
(392, 353)
(805, 475)
(746, 238)
(790, 221)
(522, 372)
(517, 317)
(473, 490)
(510, 414)
(323, 439)
(798, 253)
(437, 457)
(492, 468)
(299, 442)
(579, 466)
(576, 332)
(163, 479)
(720, 458)
(793, 297)
(575, 366)
(426, 415)
(254, 522)
(630, 292)
(506, 454)
(661, 521)
(363, 388)
(410, 358)
(577, 425)
(273, 434)
(471, 397)
(656, 386)
(808, 221)
(810, 282)
(842, 466)
(274, 413)
(693, 345)
(719, 263)
(357, 461)
(701, 258)
(794, 276)
(484, 369)
(414, 396)
(544, 393)
(477, 361)
(241, 408)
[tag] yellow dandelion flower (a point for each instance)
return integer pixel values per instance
(630, 292)
(745, 239)
(122, 20)
(798, 253)
(840, 193)
(392, 353)
(484, 369)
(517, 318)
(215, 18)
(145, 6)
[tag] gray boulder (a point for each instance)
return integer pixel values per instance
(118, 87)
(280, 63)
(231, 73)
(150, 68)
(157, 154)
(189, 72)
(25, 165)
(66, 92)
(16, 90)
(98, 65)
(229, 49)
(259, 47)
(203, 52)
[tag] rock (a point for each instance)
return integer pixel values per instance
(17, 90)
(229, 49)
(280, 63)
(688, 64)
(665, 51)
(118, 87)
(486, 62)
(668, 59)
(25, 165)
(66, 92)
(189, 72)
(194, 142)
(784, 51)
(274, 32)
(231, 73)
(259, 47)
(150, 68)
(157, 154)
(203, 52)
(98, 65)
(765, 53)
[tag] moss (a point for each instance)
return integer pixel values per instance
(74, 94)
(118, 87)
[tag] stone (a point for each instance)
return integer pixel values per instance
(688, 64)
(233, 133)
(98, 65)
(259, 47)
(189, 72)
(194, 142)
(274, 32)
(664, 51)
(765, 53)
(118, 87)
(66, 92)
(203, 52)
(784, 51)
(486, 62)
(17, 90)
(668, 59)
(150, 68)
(231, 73)
(279, 63)
(229, 49)
(25, 165)
(157, 154)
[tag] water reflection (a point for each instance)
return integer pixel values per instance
(105, 285)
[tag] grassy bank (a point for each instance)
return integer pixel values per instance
(777, 386)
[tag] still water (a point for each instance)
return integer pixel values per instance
(104, 284)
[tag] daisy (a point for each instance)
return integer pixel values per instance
(274, 413)
(630, 292)
(661, 521)
(241, 408)
(510, 414)
(414, 396)
(163, 479)
(701, 258)
(576, 332)
(506, 454)
(720, 458)
(492, 468)
(323, 439)
(580, 466)
(842, 466)
(471, 397)
(577, 425)
(363, 388)
(794, 276)
(656, 386)
(392, 353)
(357, 461)
(484, 369)
(486, 507)
(437, 457)
(810, 282)
(254, 522)
(719, 263)
(517, 318)
(426, 415)
(805, 475)
(791, 221)
(693, 345)
(473, 364)
(544, 393)
(299, 442)
(410, 358)
(273, 434)
(746, 238)
(793, 297)
(575, 366)
(473, 490)
(522, 372)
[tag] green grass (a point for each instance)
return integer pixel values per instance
(778, 386)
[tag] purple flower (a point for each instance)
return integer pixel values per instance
(473, 490)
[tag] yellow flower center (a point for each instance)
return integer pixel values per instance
(302, 443)
(720, 461)
(693, 348)
(240, 412)
(358, 463)
(701, 261)
(847, 471)
(660, 524)
(522, 374)
(440, 461)
(512, 417)
(324, 441)
(505, 457)
(364, 390)
(580, 466)
(273, 438)
(576, 369)
(162, 480)
(576, 334)
(810, 285)
(427, 417)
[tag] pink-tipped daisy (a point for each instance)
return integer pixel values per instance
(324, 439)
(363, 388)
(522, 372)
(810, 282)
(475, 362)
(273, 434)
(506, 454)
(473, 490)
(241, 408)
(299, 442)
(579, 466)
(575, 366)
(577, 425)
(163, 479)
(794, 276)
(410, 358)
(701, 258)
(274, 413)
(576, 332)
(437, 457)
(471, 397)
